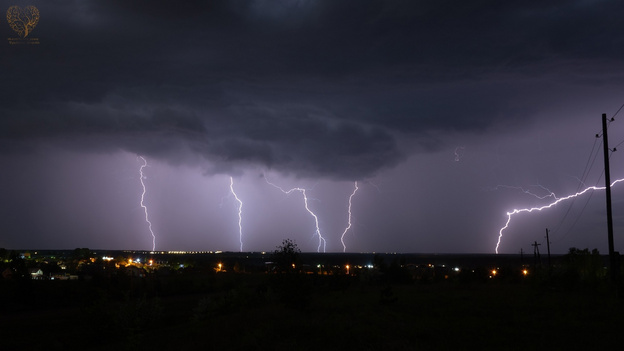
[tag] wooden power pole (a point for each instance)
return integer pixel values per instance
(548, 246)
(613, 268)
(536, 254)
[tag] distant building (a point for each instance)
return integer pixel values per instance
(60, 276)
(36, 273)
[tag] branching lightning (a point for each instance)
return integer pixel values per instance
(344, 247)
(322, 242)
(240, 214)
(557, 201)
(528, 192)
(143, 205)
(374, 185)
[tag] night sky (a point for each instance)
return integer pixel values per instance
(446, 112)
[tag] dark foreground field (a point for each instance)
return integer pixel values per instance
(264, 311)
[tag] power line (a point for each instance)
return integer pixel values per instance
(588, 166)
(611, 119)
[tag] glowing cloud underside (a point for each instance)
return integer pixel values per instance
(322, 242)
(240, 214)
(344, 247)
(557, 201)
(143, 205)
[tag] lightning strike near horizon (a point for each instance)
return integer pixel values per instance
(557, 201)
(344, 247)
(322, 241)
(240, 214)
(143, 205)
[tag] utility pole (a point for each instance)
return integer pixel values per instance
(548, 247)
(536, 253)
(613, 268)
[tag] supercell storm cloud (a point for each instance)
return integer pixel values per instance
(316, 94)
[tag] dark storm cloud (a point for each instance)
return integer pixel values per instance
(313, 88)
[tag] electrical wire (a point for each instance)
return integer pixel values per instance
(588, 166)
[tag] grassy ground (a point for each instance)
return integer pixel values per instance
(266, 312)
(416, 318)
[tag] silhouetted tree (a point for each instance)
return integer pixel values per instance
(81, 253)
(397, 273)
(286, 257)
(584, 266)
(292, 289)
(379, 263)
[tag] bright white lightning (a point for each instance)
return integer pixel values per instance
(344, 247)
(143, 205)
(532, 209)
(322, 241)
(240, 214)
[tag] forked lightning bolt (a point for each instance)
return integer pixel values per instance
(557, 201)
(322, 242)
(240, 214)
(344, 247)
(143, 205)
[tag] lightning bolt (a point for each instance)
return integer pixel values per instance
(143, 205)
(554, 203)
(344, 247)
(459, 152)
(374, 185)
(322, 241)
(240, 214)
(528, 192)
